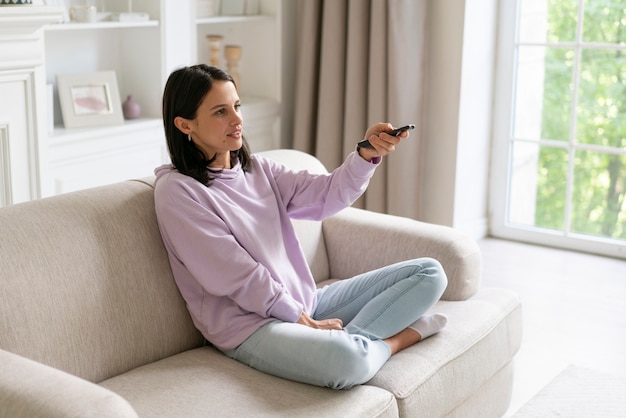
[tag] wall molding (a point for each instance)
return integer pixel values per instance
(25, 149)
(5, 166)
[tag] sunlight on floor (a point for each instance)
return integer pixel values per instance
(574, 311)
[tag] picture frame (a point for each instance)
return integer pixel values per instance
(89, 99)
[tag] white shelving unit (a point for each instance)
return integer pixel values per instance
(79, 158)
(142, 54)
(260, 37)
(22, 98)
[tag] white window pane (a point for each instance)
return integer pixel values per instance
(548, 21)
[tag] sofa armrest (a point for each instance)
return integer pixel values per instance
(359, 240)
(32, 389)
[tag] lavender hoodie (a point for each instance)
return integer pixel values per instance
(232, 248)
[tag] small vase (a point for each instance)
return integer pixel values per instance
(131, 108)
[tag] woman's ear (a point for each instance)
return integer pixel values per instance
(182, 124)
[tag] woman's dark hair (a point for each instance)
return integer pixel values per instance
(184, 91)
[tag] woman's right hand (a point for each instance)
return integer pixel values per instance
(382, 143)
(334, 323)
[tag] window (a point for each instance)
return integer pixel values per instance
(559, 161)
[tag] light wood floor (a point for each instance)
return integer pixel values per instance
(574, 311)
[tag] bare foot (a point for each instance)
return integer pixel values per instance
(421, 329)
(402, 340)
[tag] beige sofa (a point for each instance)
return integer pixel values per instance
(92, 324)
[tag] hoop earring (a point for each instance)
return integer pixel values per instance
(189, 137)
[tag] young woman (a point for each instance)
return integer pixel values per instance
(224, 216)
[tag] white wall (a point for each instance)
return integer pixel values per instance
(460, 70)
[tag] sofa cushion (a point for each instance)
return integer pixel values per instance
(204, 382)
(86, 285)
(482, 335)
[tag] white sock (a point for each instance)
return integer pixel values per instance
(428, 325)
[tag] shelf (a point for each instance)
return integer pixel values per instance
(232, 19)
(26, 20)
(62, 135)
(102, 25)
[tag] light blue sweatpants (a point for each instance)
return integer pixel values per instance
(373, 306)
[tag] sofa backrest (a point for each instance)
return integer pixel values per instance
(309, 233)
(85, 283)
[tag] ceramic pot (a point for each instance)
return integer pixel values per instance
(131, 108)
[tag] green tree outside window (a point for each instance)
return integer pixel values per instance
(598, 192)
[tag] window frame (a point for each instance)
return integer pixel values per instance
(503, 140)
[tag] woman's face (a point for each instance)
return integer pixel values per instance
(217, 128)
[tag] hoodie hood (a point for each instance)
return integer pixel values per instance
(226, 174)
(163, 170)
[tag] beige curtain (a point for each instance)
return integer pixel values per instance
(361, 62)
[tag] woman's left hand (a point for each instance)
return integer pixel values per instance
(333, 323)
